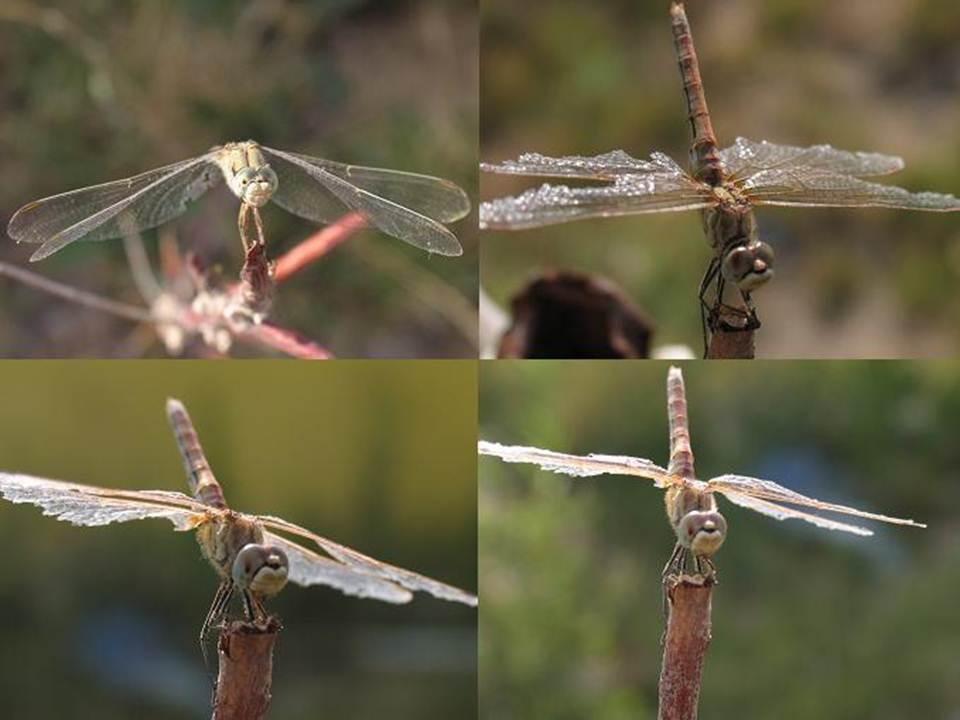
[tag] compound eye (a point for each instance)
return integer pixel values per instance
(737, 264)
(764, 252)
(246, 176)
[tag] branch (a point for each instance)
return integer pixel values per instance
(81, 297)
(317, 245)
(245, 653)
(685, 647)
(731, 345)
(286, 341)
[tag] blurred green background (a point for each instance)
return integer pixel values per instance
(106, 89)
(563, 77)
(378, 456)
(807, 623)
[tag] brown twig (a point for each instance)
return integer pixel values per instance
(731, 345)
(245, 653)
(685, 647)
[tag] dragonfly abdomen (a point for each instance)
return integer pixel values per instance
(203, 484)
(704, 154)
(681, 455)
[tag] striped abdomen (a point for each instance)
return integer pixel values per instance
(681, 456)
(203, 484)
(704, 155)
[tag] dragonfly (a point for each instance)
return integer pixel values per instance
(724, 185)
(248, 553)
(404, 205)
(691, 504)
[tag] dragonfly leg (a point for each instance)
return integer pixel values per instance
(246, 213)
(254, 609)
(217, 610)
(706, 311)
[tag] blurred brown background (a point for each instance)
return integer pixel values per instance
(102, 622)
(563, 77)
(98, 91)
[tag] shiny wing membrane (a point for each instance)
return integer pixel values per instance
(110, 210)
(821, 176)
(579, 465)
(308, 568)
(746, 157)
(361, 564)
(91, 506)
(765, 497)
(632, 186)
(406, 206)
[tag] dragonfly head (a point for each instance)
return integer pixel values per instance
(261, 568)
(255, 185)
(702, 532)
(748, 266)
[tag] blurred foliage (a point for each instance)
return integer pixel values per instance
(563, 77)
(107, 89)
(379, 456)
(806, 622)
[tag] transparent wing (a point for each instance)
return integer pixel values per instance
(318, 190)
(798, 187)
(103, 212)
(781, 512)
(579, 465)
(633, 186)
(361, 564)
(746, 157)
(88, 505)
(608, 166)
(762, 496)
(308, 568)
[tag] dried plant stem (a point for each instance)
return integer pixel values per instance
(685, 647)
(317, 245)
(245, 652)
(31, 279)
(731, 345)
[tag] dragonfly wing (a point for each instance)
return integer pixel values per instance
(781, 512)
(434, 197)
(578, 465)
(747, 157)
(110, 210)
(360, 563)
(755, 488)
(308, 568)
(808, 188)
(597, 167)
(634, 186)
(298, 193)
(91, 506)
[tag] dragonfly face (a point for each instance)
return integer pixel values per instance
(748, 266)
(247, 172)
(702, 532)
(262, 569)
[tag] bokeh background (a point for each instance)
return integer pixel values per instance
(563, 77)
(377, 456)
(807, 623)
(103, 90)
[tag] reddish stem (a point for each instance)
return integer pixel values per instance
(317, 245)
